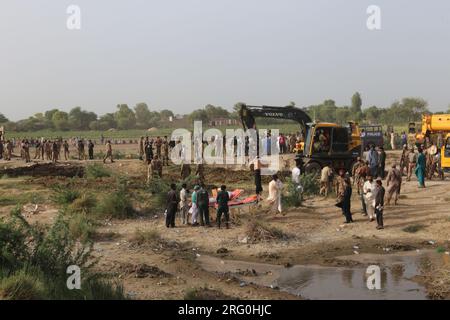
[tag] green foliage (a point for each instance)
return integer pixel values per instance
(84, 204)
(64, 195)
(21, 199)
(355, 109)
(158, 188)
(22, 285)
(60, 120)
(34, 260)
(117, 204)
(440, 249)
(125, 117)
(3, 119)
(81, 227)
(80, 119)
(292, 196)
(310, 184)
(97, 170)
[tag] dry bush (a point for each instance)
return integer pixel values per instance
(439, 283)
(141, 238)
(258, 231)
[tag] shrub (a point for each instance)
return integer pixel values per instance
(292, 196)
(64, 195)
(159, 188)
(81, 228)
(205, 293)
(97, 170)
(258, 231)
(34, 260)
(21, 285)
(310, 184)
(117, 204)
(413, 228)
(140, 237)
(84, 204)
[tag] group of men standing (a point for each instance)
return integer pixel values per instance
(426, 163)
(155, 152)
(370, 189)
(194, 208)
(52, 149)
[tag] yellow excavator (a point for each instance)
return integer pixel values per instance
(431, 126)
(324, 143)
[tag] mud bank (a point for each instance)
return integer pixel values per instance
(44, 170)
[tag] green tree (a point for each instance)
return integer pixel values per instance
(3, 119)
(143, 115)
(104, 123)
(80, 119)
(373, 114)
(343, 115)
(125, 117)
(356, 107)
(49, 114)
(166, 114)
(236, 108)
(60, 120)
(216, 112)
(199, 115)
(416, 107)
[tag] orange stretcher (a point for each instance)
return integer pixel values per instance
(234, 202)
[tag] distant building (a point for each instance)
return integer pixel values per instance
(217, 122)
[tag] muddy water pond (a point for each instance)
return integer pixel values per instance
(397, 272)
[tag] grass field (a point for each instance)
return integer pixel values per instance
(136, 133)
(130, 134)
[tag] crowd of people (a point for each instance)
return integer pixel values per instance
(366, 176)
(51, 149)
(369, 172)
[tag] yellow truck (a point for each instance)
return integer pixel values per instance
(432, 126)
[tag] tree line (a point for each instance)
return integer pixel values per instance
(141, 117)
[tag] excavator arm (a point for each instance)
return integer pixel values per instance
(249, 113)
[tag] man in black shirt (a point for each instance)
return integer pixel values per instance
(172, 204)
(222, 201)
(379, 204)
(91, 150)
(203, 206)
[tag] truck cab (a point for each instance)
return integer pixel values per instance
(371, 135)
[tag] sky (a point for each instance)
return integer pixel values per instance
(184, 54)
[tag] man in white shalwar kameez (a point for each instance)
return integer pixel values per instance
(275, 189)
